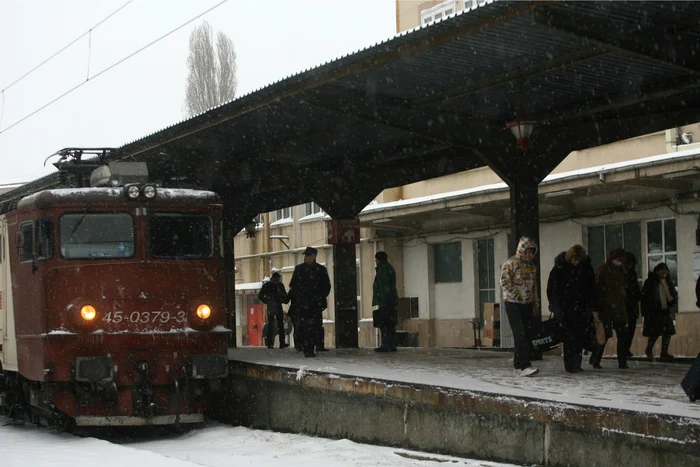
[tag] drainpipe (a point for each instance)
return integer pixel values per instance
(266, 246)
(376, 330)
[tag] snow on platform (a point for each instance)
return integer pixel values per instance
(650, 387)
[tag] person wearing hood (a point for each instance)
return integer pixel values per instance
(386, 298)
(611, 284)
(571, 291)
(659, 306)
(519, 284)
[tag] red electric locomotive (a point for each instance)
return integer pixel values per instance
(112, 303)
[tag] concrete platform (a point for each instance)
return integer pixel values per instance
(470, 403)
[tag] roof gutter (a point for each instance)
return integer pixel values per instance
(592, 173)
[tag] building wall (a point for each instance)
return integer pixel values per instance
(555, 238)
(445, 310)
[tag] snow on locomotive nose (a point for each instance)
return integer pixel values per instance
(114, 299)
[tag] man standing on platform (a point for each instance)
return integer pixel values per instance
(519, 285)
(310, 285)
(386, 298)
(274, 295)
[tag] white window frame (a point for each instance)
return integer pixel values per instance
(284, 213)
(437, 12)
(490, 272)
(312, 208)
(663, 253)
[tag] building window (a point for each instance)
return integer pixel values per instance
(285, 213)
(604, 238)
(312, 208)
(437, 12)
(661, 246)
(447, 261)
(487, 279)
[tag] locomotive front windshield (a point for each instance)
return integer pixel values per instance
(97, 235)
(175, 235)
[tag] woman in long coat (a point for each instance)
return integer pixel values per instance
(659, 306)
(571, 290)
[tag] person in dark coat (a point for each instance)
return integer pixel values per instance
(294, 316)
(633, 295)
(310, 286)
(611, 282)
(273, 294)
(659, 306)
(386, 298)
(571, 290)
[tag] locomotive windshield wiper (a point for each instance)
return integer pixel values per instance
(80, 221)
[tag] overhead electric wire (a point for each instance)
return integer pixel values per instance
(64, 48)
(112, 66)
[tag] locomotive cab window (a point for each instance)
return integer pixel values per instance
(175, 235)
(26, 243)
(44, 239)
(97, 236)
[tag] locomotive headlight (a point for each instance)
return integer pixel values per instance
(88, 312)
(133, 192)
(149, 191)
(203, 311)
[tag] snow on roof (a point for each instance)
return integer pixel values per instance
(73, 193)
(315, 216)
(282, 222)
(434, 198)
(634, 163)
(588, 171)
(117, 192)
(249, 286)
(185, 193)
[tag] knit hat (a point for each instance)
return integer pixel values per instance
(381, 256)
(310, 251)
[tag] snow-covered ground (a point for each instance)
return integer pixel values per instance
(646, 386)
(216, 446)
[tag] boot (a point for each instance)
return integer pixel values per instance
(650, 348)
(665, 342)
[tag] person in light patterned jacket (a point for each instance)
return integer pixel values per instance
(519, 286)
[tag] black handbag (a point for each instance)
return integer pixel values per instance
(379, 317)
(546, 335)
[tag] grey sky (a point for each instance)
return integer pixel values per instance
(273, 39)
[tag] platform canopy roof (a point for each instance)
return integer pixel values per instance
(435, 100)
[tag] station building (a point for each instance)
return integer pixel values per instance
(447, 237)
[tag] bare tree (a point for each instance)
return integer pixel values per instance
(211, 79)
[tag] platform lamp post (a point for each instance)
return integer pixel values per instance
(521, 128)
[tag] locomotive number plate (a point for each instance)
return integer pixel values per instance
(145, 317)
